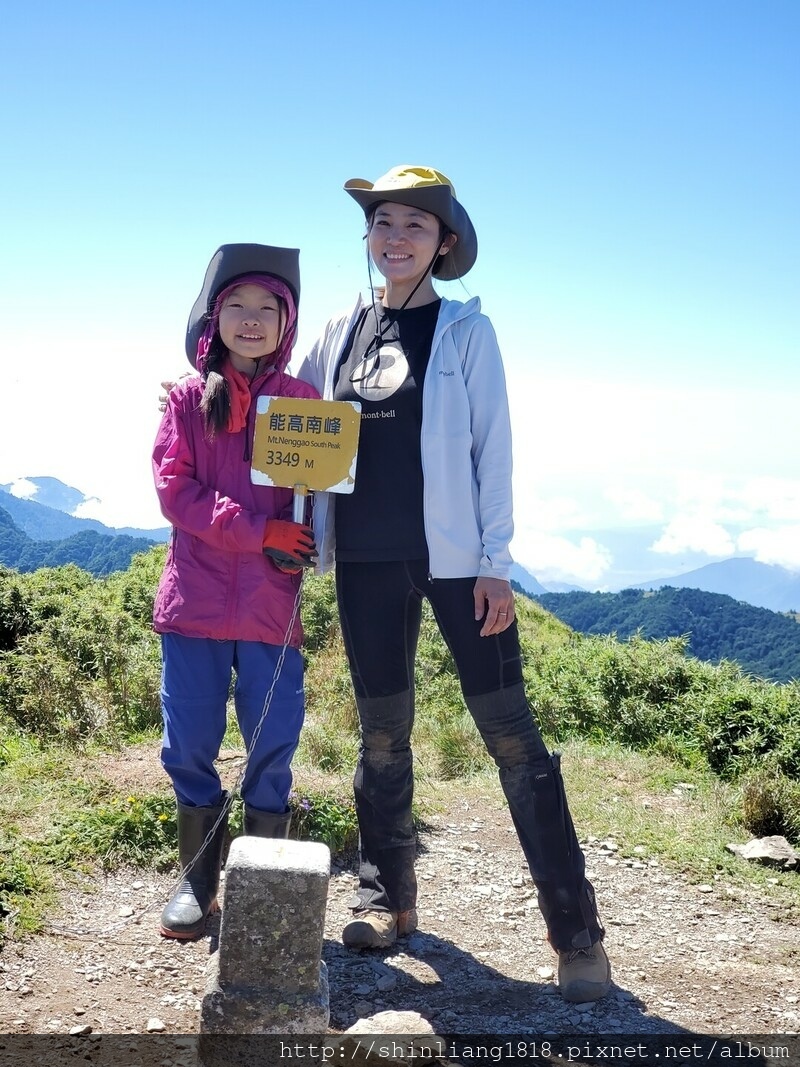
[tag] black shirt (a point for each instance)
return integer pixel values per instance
(382, 518)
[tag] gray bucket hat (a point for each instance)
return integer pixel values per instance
(230, 262)
(429, 189)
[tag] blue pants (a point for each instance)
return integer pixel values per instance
(195, 681)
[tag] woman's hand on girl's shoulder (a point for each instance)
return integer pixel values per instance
(168, 386)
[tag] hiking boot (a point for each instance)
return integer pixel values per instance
(584, 974)
(378, 929)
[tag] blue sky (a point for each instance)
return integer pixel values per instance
(631, 168)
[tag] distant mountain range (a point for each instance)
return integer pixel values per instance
(38, 529)
(44, 509)
(526, 581)
(760, 584)
(95, 552)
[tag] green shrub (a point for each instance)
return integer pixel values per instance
(74, 662)
(318, 612)
(78, 659)
(321, 817)
(770, 802)
(45, 696)
(650, 694)
(745, 720)
(15, 616)
(460, 749)
(326, 746)
(24, 888)
(134, 589)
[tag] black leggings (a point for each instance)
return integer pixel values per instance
(380, 607)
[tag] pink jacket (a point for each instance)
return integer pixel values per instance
(217, 582)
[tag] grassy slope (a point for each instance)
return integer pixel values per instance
(66, 806)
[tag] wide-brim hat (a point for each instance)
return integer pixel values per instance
(432, 191)
(230, 262)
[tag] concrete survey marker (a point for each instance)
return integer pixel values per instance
(268, 976)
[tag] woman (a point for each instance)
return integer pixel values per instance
(431, 517)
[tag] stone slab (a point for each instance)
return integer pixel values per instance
(268, 976)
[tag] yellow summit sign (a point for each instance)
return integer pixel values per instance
(308, 443)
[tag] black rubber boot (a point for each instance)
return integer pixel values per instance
(196, 897)
(266, 823)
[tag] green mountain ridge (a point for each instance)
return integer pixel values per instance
(763, 642)
(97, 553)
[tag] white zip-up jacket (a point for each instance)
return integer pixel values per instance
(465, 442)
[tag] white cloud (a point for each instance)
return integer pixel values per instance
(557, 559)
(91, 508)
(633, 505)
(23, 489)
(731, 499)
(118, 503)
(542, 512)
(780, 546)
(688, 533)
(776, 498)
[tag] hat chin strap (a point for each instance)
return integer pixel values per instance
(379, 333)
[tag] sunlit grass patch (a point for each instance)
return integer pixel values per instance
(136, 831)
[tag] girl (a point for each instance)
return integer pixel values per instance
(227, 595)
(431, 517)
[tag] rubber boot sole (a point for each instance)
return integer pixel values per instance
(190, 935)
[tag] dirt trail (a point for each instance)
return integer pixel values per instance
(685, 958)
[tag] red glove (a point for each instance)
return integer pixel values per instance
(289, 544)
(286, 568)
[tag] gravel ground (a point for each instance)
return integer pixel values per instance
(685, 958)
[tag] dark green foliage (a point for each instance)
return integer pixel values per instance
(320, 817)
(73, 661)
(770, 802)
(19, 880)
(94, 552)
(633, 693)
(319, 613)
(15, 618)
(717, 627)
(136, 587)
(650, 695)
(747, 722)
(78, 659)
